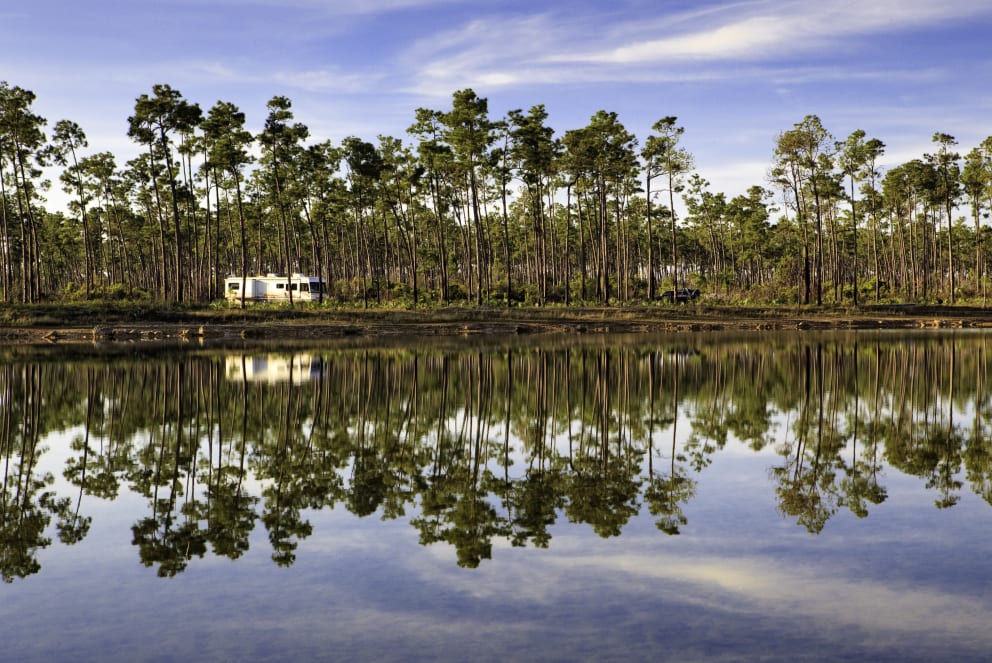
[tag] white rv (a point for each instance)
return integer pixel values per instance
(273, 368)
(275, 288)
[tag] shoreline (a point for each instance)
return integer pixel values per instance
(273, 324)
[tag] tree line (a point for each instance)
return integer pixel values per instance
(475, 208)
(478, 446)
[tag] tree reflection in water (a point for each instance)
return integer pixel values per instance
(479, 445)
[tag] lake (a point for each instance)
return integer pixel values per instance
(690, 497)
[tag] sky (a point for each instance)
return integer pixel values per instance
(734, 73)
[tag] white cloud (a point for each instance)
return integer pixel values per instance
(748, 38)
(735, 178)
(326, 80)
(763, 30)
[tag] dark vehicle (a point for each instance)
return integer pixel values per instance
(681, 296)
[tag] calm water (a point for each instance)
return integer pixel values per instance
(773, 497)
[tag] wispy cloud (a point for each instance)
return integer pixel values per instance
(327, 80)
(739, 40)
(743, 39)
(516, 51)
(234, 71)
(762, 30)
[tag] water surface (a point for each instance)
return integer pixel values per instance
(726, 497)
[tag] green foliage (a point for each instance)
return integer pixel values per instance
(475, 206)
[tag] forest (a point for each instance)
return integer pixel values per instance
(474, 209)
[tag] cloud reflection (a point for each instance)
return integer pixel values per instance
(818, 591)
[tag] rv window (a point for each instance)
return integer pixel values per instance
(234, 286)
(280, 286)
(292, 286)
(304, 287)
(318, 286)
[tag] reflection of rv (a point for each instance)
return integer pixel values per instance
(272, 368)
(275, 288)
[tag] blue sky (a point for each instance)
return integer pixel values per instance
(735, 73)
